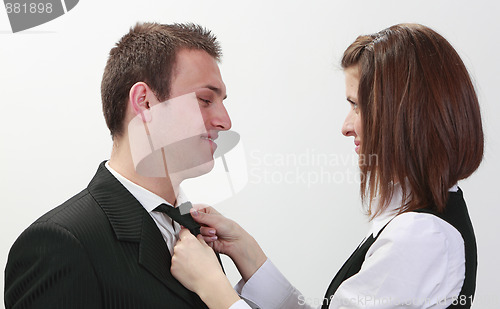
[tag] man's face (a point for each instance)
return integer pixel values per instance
(197, 72)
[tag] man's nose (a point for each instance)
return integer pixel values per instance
(219, 118)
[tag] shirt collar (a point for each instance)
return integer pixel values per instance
(388, 214)
(148, 199)
(392, 209)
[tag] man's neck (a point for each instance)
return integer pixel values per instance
(121, 161)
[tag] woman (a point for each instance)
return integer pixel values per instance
(414, 107)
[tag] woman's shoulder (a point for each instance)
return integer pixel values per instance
(423, 231)
(420, 244)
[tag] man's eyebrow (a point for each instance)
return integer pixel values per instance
(216, 90)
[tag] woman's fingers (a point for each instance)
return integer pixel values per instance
(208, 231)
(206, 209)
(201, 239)
(209, 234)
(191, 256)
(210, 219)
(186, 236)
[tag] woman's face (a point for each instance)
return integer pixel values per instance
(352, 124)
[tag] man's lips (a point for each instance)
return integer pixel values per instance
(211, 137)
(208, 138)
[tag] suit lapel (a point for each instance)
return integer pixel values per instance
(131, 223)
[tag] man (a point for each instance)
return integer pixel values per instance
(107, 247)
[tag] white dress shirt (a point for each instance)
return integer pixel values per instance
(418, 261)
(169, 229)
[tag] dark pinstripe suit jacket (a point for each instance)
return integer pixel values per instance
(100, 249)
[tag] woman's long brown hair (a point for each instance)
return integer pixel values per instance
(420, 117)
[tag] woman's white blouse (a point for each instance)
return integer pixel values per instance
(418, 261)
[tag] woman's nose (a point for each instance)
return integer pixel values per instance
(348, 126)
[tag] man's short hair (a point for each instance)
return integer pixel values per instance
(147, 53)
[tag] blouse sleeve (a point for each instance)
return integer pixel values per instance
(268, 288)
(241, 304)
(418, 261)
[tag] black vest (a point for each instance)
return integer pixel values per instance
(455, 214)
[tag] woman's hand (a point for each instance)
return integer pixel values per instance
(222, 234)
(196, 266)
(227, 237)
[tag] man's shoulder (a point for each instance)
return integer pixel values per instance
(78, 223)
(78, 209)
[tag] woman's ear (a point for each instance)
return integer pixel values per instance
(139, 99)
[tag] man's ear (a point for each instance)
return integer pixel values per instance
(139, 96)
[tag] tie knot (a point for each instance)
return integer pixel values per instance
(181, 215)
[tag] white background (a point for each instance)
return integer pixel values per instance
(286, 99)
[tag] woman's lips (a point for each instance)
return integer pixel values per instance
(356, 143)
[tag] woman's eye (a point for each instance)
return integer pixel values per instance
(354, 105)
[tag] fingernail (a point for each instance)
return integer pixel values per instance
(211, 232)
(194, 213)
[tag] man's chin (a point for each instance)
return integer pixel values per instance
(196, 171)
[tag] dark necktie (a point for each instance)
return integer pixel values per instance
(183, 219)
